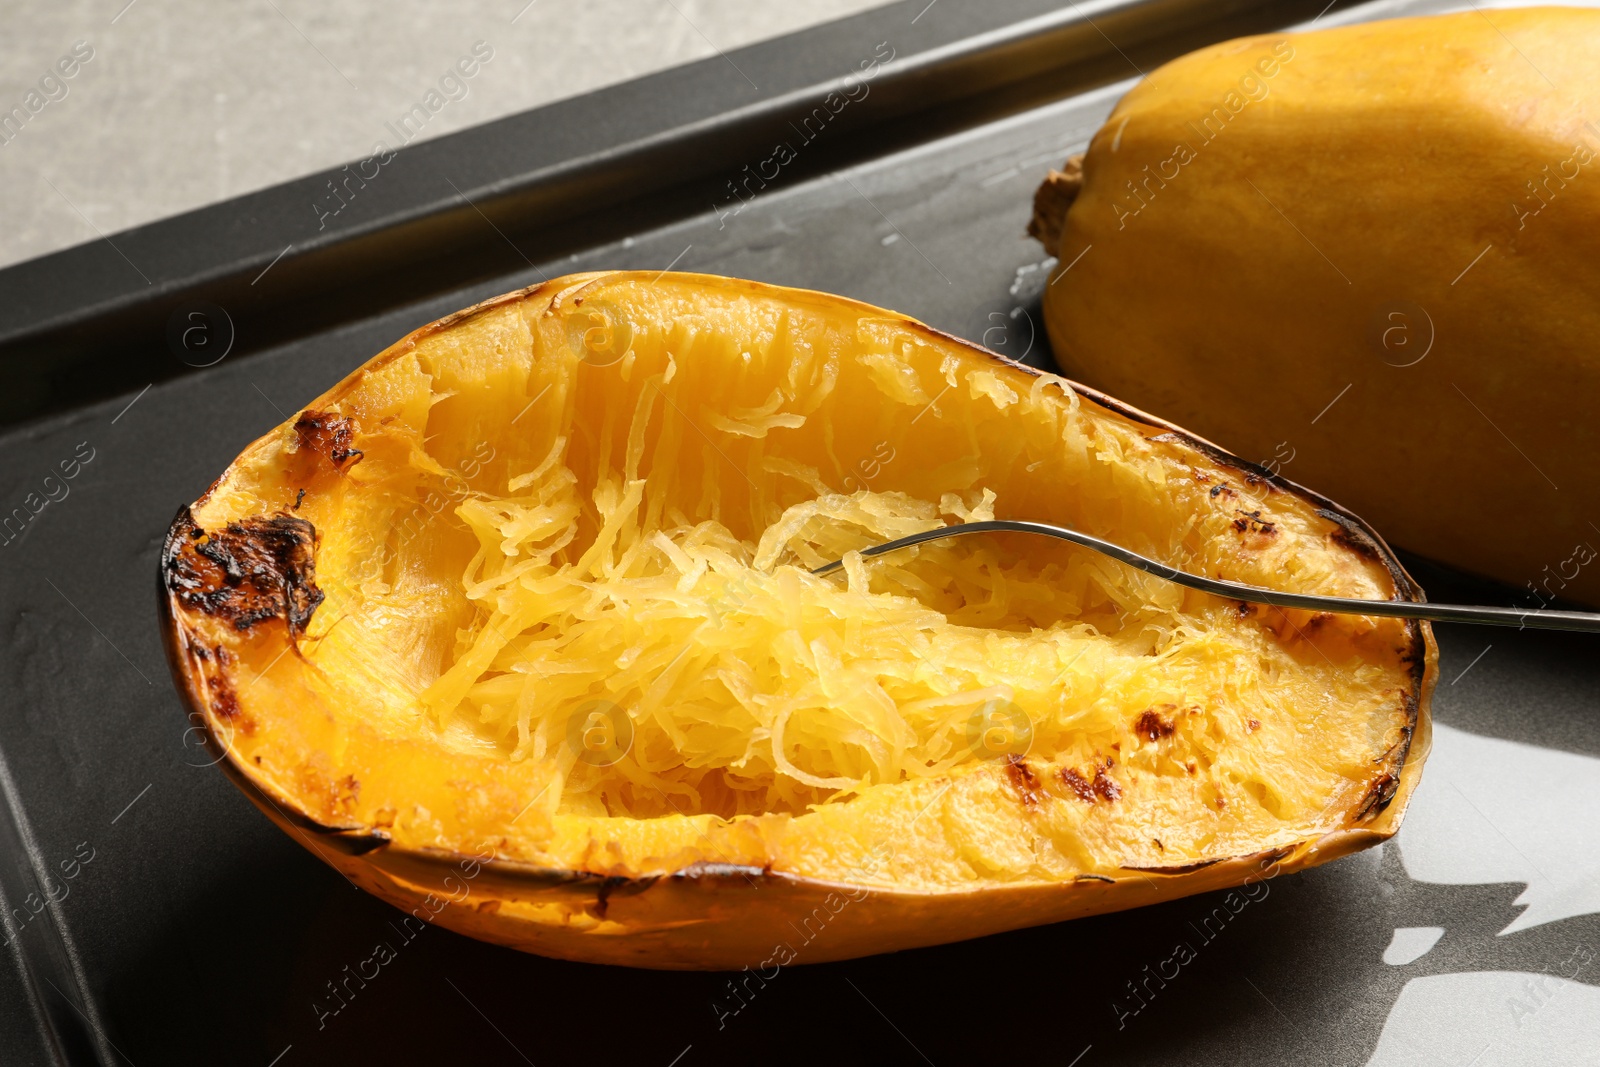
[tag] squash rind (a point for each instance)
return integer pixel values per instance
(1378, 269)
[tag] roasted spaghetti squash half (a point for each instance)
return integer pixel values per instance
(516, 626)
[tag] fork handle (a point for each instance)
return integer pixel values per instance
(1482, 615)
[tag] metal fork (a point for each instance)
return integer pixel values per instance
(1541, 618)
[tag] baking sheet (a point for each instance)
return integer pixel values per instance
(186, 929)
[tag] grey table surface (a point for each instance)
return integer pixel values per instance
(183, 103)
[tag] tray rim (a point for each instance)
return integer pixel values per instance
(83, 324)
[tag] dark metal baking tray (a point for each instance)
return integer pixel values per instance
(169, 923)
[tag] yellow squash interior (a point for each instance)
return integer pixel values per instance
(568, 611)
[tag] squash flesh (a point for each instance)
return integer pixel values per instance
(1083, 646)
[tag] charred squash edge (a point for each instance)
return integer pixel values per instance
(1394, 777)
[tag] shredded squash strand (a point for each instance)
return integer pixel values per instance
(736, 681)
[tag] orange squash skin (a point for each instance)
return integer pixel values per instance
(1368, 255)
